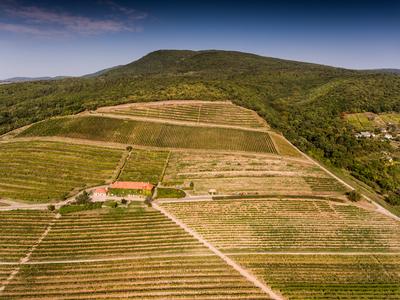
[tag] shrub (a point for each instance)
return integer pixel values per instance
(124, 201)
(83, 198)
(129, 148)
(147, 201)
(354, 196)
(393, 199)
(51, 207)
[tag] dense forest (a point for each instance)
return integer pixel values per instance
(304, 101)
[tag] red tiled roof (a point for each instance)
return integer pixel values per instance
(100, 191)
(132, 185)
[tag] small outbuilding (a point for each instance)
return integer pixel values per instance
(100, 192)
(212, 192)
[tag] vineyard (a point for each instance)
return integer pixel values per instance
(299, 277)
(138, 253)
(144, 165)
(371, 121)
(174, 277)
(258, 225)
(19, 231)
(221, 113)
(153, 134)
(262, 174)
(44, 171)
(137, 231)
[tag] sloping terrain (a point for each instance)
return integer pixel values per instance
(276, 215)
(30, 171)
(305, 101)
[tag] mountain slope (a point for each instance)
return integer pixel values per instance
(305, 101)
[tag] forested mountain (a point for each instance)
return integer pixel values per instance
(305, 101)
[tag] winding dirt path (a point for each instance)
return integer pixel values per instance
(245, 273)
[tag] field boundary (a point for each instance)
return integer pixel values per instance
(26, 258)
(245, 273)
(138, 257)
(379, 208)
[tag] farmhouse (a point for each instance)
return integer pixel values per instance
(127, 188)
(100, 192)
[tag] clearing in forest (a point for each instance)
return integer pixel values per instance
(40, 171)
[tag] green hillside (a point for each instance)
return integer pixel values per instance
(304, 101)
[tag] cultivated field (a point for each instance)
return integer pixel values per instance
(370, 121)
(174, 277)
(221, 113)
(153, 134)
(374, 277)
(19, 231)
(258, 225)
(134, 253)
(137, 231)
(144, 165)
(44, 171)
(232, 173)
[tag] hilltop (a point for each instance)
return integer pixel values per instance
(304, 101)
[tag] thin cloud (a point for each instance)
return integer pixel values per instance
(40, 21)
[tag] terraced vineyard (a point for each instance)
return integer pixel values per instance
(221, 113)
(19, 231)
(144, 165)
(153, 134)
(263, 174)
(289, 225)
(32, 171)
(329, 276)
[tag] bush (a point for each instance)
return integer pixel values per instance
(124, 201)
(83, 198)
(393, 199)
(147, 201)
(51, 207)
(354, 196)
(129, 148)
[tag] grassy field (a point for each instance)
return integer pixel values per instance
(144, 165)
(19, 231)
(44, 171)
(230, 173)
(370, 121)
(328, 276)
(258, 225)
(184, 278)
(221, 113)
(153, 134)
(170, 193)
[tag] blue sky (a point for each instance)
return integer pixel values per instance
(40, 38)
